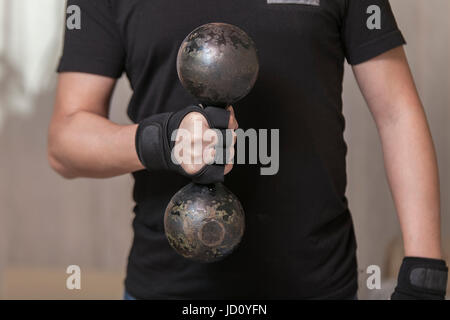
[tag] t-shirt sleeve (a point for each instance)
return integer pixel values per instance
(96, 46)
(369, 29)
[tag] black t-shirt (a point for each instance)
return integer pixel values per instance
(299, 240)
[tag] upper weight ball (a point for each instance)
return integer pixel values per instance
(218, 64)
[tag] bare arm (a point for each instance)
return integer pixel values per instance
(388, 87)
(82, 142)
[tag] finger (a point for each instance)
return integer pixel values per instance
(211, 137)
(228, 168)
(193, 121)
(230, 155)
(234, 135)
(192, 168)
(209, 156)
(195, 116)
(232, 123)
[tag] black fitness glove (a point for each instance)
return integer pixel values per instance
(421, 279)
(154, 145)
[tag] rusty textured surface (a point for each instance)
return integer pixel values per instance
(218, 64)
(204, 223)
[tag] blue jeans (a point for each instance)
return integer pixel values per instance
(127, 296)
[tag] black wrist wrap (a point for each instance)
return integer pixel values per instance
(421, 278)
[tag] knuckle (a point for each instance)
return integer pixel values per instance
(196, 116)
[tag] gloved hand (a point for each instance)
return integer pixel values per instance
(159, 148)
(421, 279)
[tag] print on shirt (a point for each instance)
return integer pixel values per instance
(307, 2)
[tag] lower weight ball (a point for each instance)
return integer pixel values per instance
(204, 223)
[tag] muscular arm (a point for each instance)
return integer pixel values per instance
(387, 85)
(82, 142)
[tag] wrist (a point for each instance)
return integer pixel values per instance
(133, 160)
(427, 254)
(431, 251)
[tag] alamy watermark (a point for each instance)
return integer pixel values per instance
(73, 281)
(73, 21)
(374, 21)
(374, 279)
(250, 146)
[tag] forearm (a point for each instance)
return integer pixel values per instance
(412, 172)
(85, 144)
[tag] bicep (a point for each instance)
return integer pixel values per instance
(82, 92)
(387, 84)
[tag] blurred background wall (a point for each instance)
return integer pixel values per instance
(47, 223)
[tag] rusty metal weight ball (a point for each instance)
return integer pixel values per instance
(218, 64)
(204, 223)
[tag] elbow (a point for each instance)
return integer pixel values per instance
(60, 168)
(55, 157)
